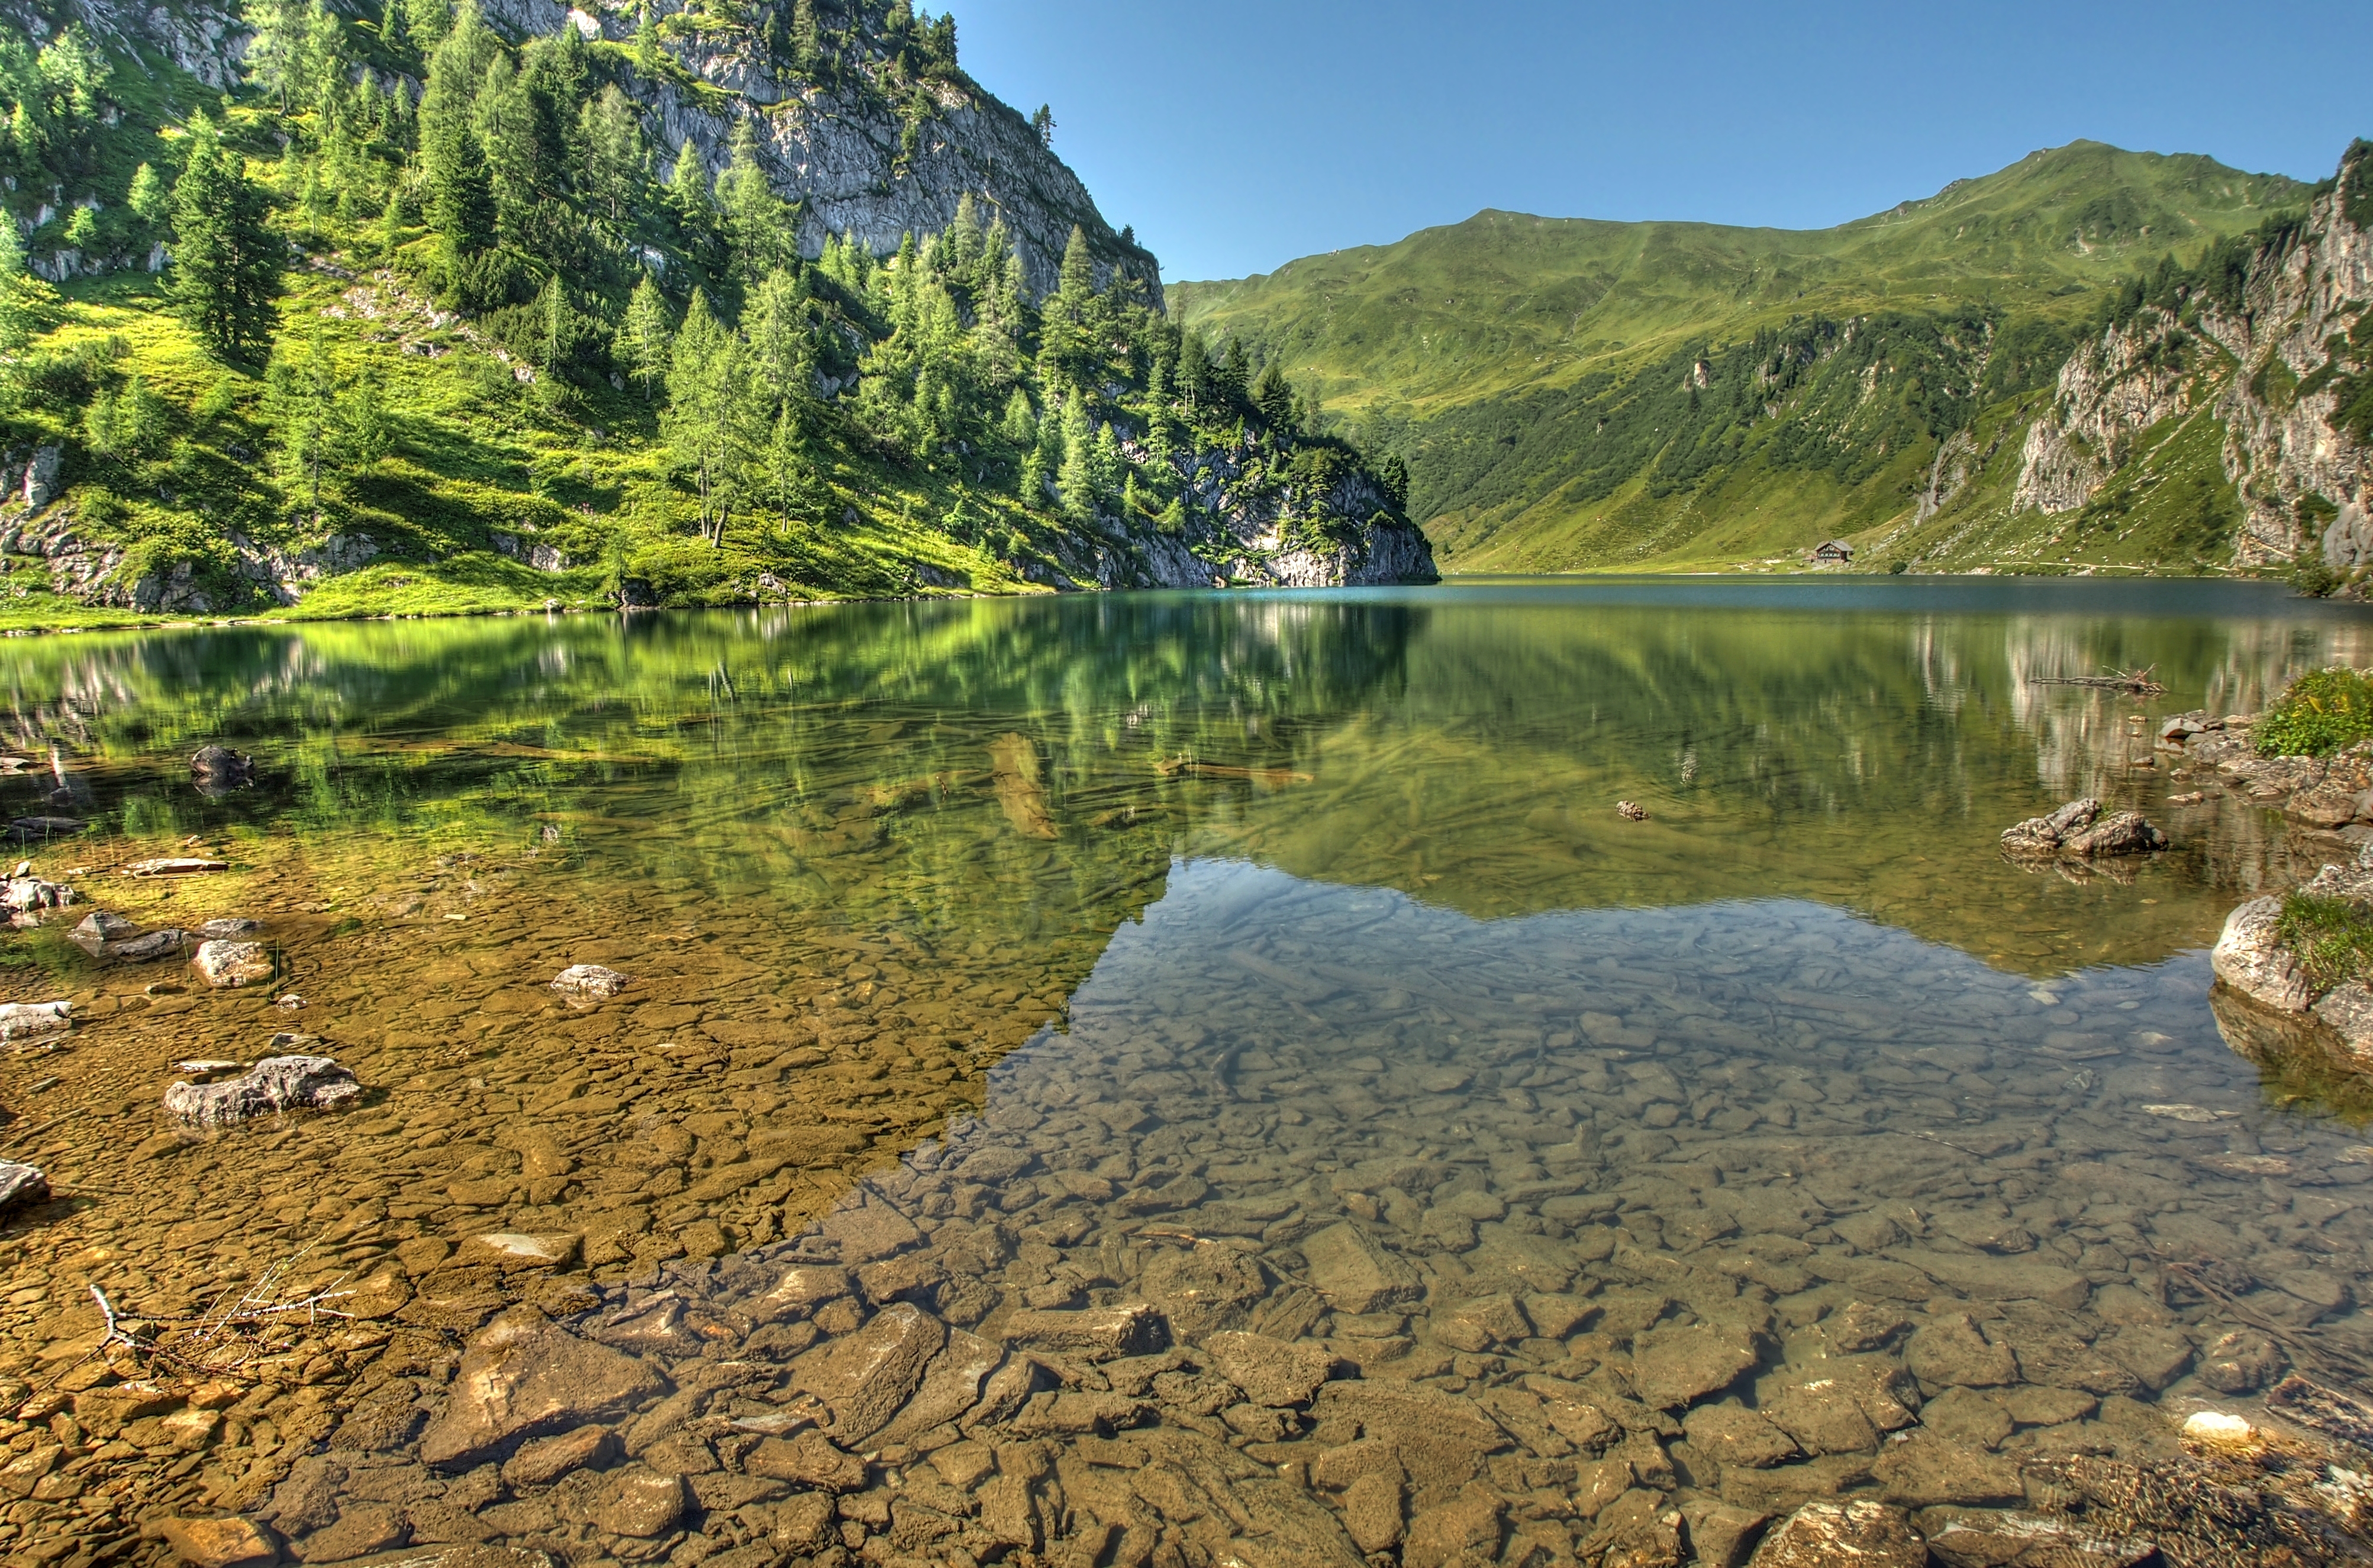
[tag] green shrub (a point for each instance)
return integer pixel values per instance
(2321, 712)
(2332, 937)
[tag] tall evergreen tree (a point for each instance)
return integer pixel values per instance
(16, 309)
(644, 344)
(226, 258)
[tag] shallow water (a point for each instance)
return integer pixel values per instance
(1276, 960)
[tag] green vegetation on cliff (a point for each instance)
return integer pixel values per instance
(1571, 394)
(441, 325)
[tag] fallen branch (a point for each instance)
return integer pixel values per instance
(2134, 683)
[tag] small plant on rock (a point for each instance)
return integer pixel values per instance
(2322, 712)
(2332, 937)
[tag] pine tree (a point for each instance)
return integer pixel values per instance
(503, 117)
(644, 342)
(366, 428)
(16, 307)
(276, 47)
(617, 159)
(226, 259)
(707, 424)
(647, 44)
(689, 203)
(1077, 478)
(150, 198)
(757, 222)
(1043, 122)
(301, 401)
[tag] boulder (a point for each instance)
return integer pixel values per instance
(866, 1376)
(1823, 1535)
(219, 767)
(2125, 832)
(640, 1504)
(2044, 835)
(2252, 959)
(144, 949)
(522, 1378)
(276, 1084)
(1203, 1289)
(950, 1387)
(546, 1459)
(1355, 1273)
(25, 899)
(22, 1184)
(229, 963)
(104, 926)
(588, 980)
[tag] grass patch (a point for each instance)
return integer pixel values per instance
(2322, 712)
(2332, 937)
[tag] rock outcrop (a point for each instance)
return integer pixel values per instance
(2275, 361)
(2080, 831)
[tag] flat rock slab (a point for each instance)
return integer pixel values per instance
(807, 1459)
(869, 1230)
(1099, 1333)
(1355, 1273)
(1926, 1469)
(2004, 1279)
(1672, 1367)
(276, 1084)
(1824, 1534)
(866, 1376)
(522, 1378)
(1271, 1372)
(175, 865)
(514, 1249)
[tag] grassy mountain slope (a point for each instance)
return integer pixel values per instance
(1550, 381)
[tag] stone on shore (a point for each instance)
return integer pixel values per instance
(2252, 959)
(521, 1377)
(276, 1084)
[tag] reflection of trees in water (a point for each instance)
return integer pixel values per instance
(746, 751)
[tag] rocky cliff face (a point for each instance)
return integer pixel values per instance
(2276, 363)
(836, 151)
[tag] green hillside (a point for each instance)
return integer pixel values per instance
(1570, 394)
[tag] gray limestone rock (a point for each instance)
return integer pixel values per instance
(2252, 959)
(276, 1084)
(22, 1184)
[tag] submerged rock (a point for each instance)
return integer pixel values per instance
(276, 1084)
(522, 1378)
(1822, 1534)
(588, 980)
(175, 865)
(219, 767)
(28, 897)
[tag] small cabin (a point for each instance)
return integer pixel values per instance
(1836, 553)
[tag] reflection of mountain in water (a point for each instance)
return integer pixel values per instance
(1466, 747)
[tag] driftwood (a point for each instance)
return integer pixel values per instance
(2134, 683)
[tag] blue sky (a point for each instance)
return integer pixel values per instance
(1236, 135)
